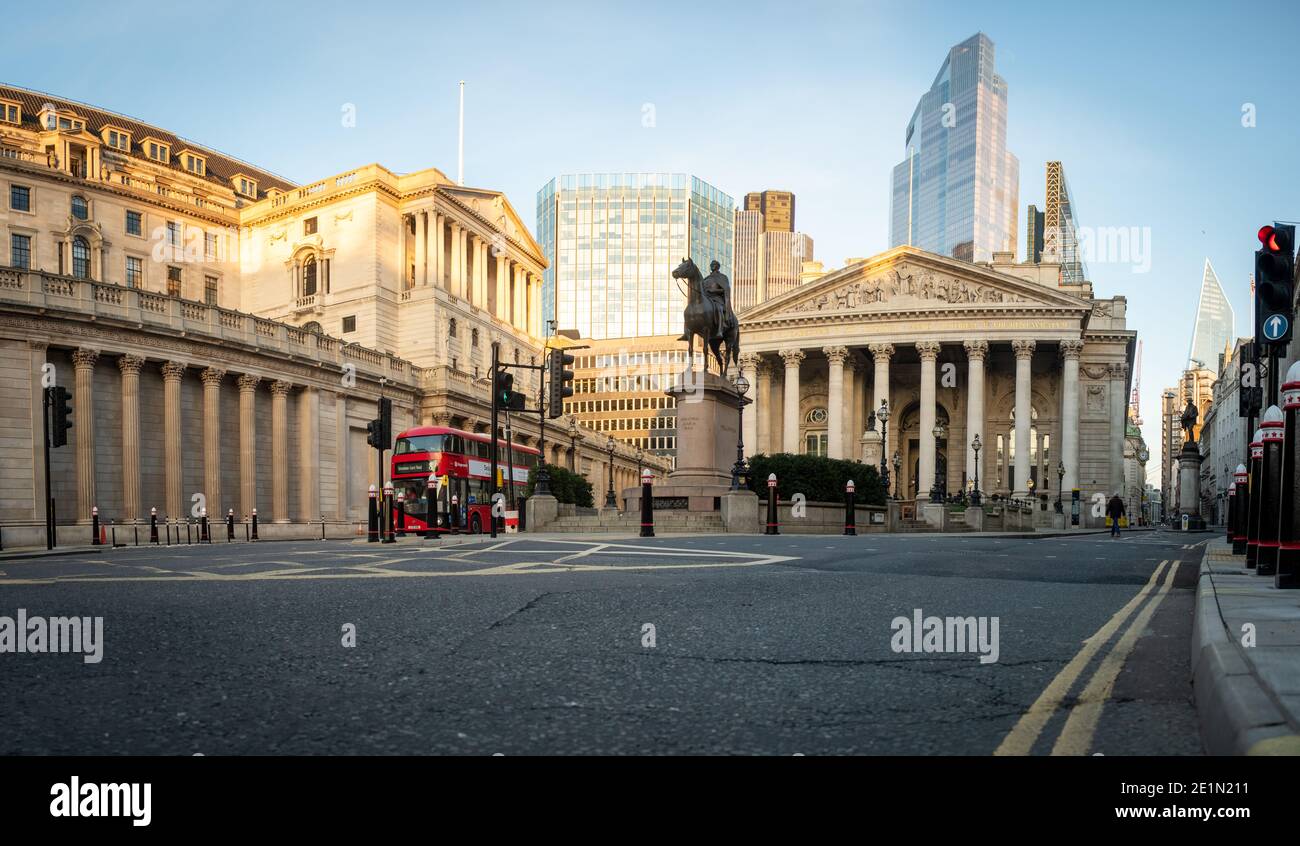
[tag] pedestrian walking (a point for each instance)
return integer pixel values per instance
(1115, 510)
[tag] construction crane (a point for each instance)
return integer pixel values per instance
(1134, 411)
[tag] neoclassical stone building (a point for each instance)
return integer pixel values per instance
(1037, 369)
(228, 333)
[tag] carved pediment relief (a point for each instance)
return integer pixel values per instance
(904, 286)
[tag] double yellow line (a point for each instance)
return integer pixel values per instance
(1081, 724)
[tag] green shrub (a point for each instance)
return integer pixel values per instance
(817, 478)
(566, 486)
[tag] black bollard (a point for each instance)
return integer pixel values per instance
(230, 525)
(153, 526)
(850, 512)
(647, 505)
(431, 507)
(1231, 511)
(1287, 575)
(1241, 483)
(455, 515)
(94, 525)
(773, 524)
(254, 524)
(1256, 488)
(401, 513)
(386, 503)
(1271, 425)
(372, 535)
(204, 536)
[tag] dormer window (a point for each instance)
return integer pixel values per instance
(117, 139)
(156, 150)
(11, 112)
(194, 164)
(54, 119)
(244, 185)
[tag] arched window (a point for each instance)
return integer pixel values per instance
(309, 276)
(80, 258)
(313, 326)
(80, 210)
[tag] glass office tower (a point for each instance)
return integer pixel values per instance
(613, 239)
(1214, 328)
(1061, 228)
(957, 191)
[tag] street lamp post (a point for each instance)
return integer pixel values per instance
(740, 470)
(883, 416)
(611, 501)
(898, 463)
(573, 444)
(975, 494)
(640, 461)
(936, 492)
(1060, 480)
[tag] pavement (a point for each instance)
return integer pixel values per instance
(1246, 658)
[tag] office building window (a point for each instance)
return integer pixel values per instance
(20, 198)
(20, 251)
(309, 226)
(80, 209)
(134, 223)
(209, 246)
(173, 281)
(173, 233)
(134, 272)
(210, 290)
(80, 258)
(350, 323)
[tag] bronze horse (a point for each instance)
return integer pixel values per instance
(701, 319)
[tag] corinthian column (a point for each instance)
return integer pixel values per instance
(976, 353)
(83, 411)
(1118, 421)
(763, 408)
(880, 354)
(790, 419)
(421, 250)
(749, 369)
(439, 259)
(130, 366)
(173, 464)
(1070, 352)
(1024, 350)
(309, 454)
(929, 352)
(280, 451)
(248, 443)
(835, 401)
(212, 378)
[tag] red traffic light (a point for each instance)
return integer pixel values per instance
(1268, 237)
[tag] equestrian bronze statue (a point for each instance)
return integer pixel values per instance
(709, 315)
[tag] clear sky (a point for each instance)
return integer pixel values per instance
(1142, 102)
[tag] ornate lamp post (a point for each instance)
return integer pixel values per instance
(573, 444)
(1060, 480)
(936, 491)
(611, 501)
(975, 494)
(740, 470)
(898, 463)
(640, 461)
(883, 416)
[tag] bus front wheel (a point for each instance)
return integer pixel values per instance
(475, 525)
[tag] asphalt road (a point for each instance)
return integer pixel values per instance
(539, 646)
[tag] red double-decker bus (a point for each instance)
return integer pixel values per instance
(462, 463)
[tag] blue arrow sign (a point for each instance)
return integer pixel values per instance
(1275, 327)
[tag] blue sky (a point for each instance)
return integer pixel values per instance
(1142, 102)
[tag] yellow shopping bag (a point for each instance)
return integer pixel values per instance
(1108, 522)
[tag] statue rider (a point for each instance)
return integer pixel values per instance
(717, 287)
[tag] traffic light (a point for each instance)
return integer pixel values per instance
(61, 415)
(375, 433)
(1274, 284)
(561, 382)
(504, 395)
(385, 422)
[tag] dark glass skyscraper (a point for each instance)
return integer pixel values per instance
(957, 191)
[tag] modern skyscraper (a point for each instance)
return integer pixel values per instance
(957, 191)
(1034, 235)
(612, 241)
(1061, 228)
(777, 208)
(1214, 323)
(768, 263)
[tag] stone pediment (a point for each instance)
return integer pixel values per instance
(909, 280)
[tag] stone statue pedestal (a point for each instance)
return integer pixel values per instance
(871, 448)
(708, 421)
(1189, 488)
